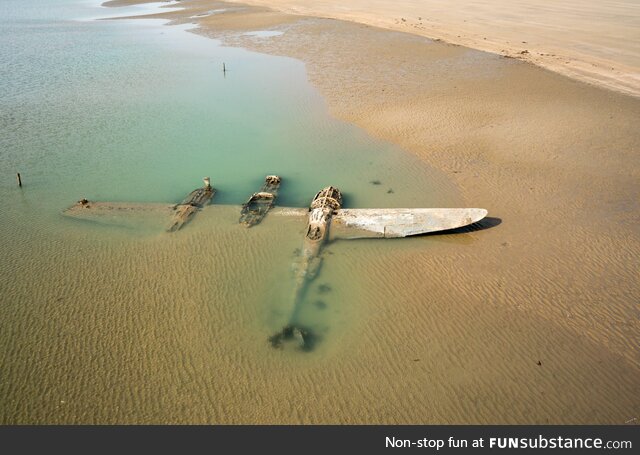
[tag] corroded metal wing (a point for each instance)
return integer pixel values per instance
(127, 214)
(390, 223)
(132, 213)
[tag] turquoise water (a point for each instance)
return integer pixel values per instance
(134, 110)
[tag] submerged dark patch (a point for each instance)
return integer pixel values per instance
(324, 289)
(304, 337)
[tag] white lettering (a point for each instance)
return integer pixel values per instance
(393, 442)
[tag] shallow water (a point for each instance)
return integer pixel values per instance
(106, 324)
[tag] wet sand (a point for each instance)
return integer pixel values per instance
(594, 41)
(531, 320)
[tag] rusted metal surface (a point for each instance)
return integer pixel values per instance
(258, 205)
(194, 202)
(324, 205)
(329, 197)
(119, 212)
(114, 212)
(327, 220)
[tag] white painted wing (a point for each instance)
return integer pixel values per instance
(390, 223)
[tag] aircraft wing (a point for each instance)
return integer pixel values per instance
(125, 214)
(345, 224)
(171, 216)
(391, 223)
(290, 211)
(90, 209)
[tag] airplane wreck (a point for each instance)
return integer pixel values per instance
(256, 208)
(326, 221)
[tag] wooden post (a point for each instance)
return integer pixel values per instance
(19, 179)
(224, 68)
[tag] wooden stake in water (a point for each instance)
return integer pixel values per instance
(224, 68)
(19, 179)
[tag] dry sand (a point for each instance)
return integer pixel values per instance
(455, 336)
(594, 41)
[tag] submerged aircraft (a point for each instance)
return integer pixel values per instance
(326, 221)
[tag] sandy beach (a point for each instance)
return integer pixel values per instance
(530, 318)
(595, 41)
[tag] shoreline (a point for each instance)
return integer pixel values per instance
(578, 58)
(569, 44)
(555, 159)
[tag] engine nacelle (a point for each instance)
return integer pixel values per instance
(322, 208)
